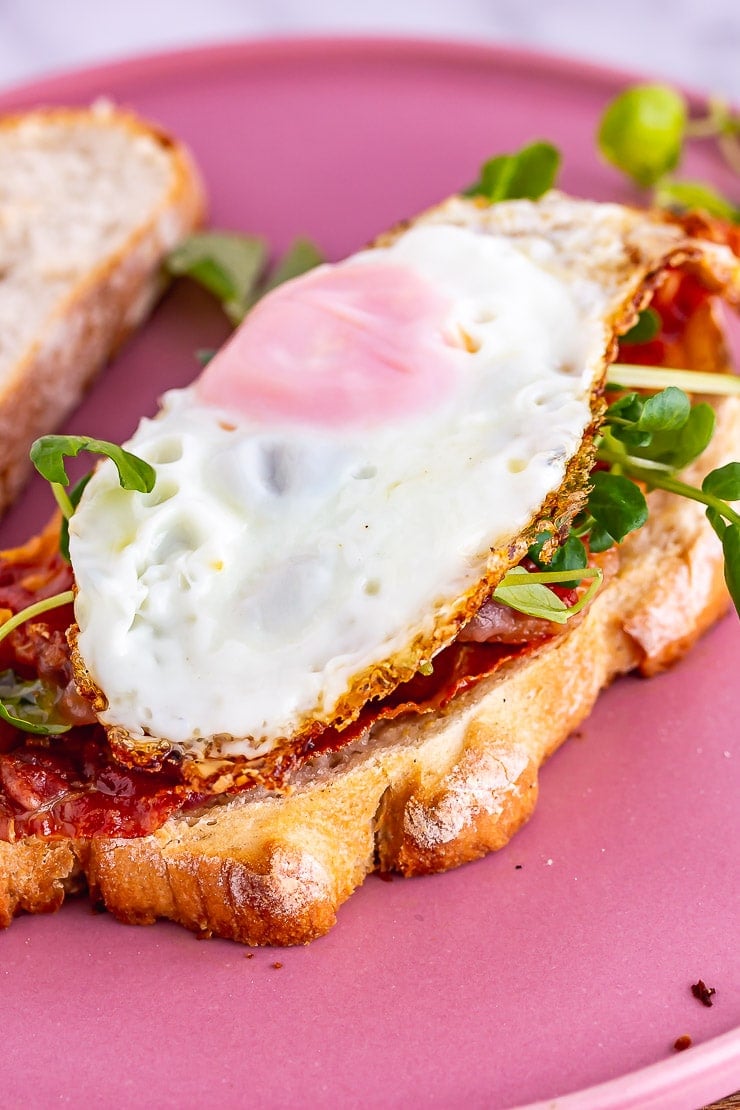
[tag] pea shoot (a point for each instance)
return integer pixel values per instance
(232, 267)
(31, 706)
(643, 132)
(526, 174)
(644, 442)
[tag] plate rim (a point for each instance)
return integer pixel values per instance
(262, 48)
(720, 1054)
(690, 1069)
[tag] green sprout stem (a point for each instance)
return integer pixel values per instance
(620, 422)
(728, 144)
(35, 610)
(658, 377)
(705, 128)
(62, 499)
(547, 577)
(711, 125)
(657, 479)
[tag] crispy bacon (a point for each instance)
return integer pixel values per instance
(498, 623)
(72, 785)
(74, 788)
(43, 651)
(682, 304)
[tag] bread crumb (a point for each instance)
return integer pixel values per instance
(702, 992)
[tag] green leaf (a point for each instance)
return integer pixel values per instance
(718, 522)
(535, 550)
(527, 592)
(678, 447)
(599, 539)
(627, 438)
(686, 195)
(230, 266)
(642, 132)
(633, 439)
(664, 411)
(647, 327)
(724, 482)
(74, 496)
(302, 255)
(225, 263)
(731, 549)
(536, 600)
(616, 504)
(569, 556)
(664, 428)
(628, 407)
(30, 706)
(49, 452)
(529, 173)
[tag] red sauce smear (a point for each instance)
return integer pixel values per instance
(74, 788)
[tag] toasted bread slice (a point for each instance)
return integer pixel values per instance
(421, 793)
(418, 795)
(90, 202)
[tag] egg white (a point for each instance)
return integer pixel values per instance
(275, 562)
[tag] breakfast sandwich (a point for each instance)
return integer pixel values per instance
(354, 601)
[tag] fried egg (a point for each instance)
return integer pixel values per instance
(351, 474)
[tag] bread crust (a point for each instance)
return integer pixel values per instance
(423, 794)
(92, 320)
(36, 875)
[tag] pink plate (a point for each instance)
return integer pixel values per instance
(564, 962)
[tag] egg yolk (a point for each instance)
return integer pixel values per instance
(343, 345)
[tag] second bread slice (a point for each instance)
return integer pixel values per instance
(91, 200)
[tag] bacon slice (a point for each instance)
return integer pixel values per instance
(75, 789)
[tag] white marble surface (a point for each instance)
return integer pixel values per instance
(696, 42)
